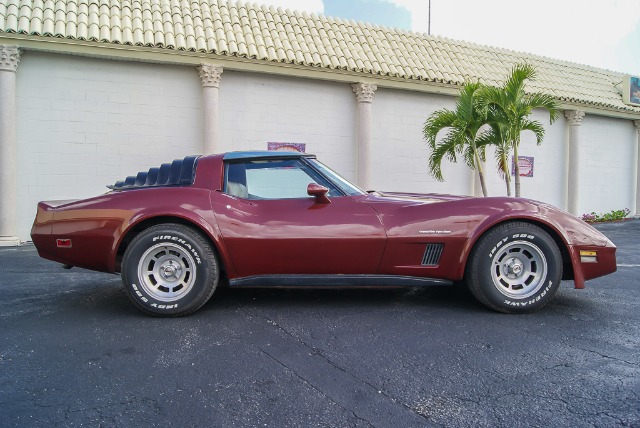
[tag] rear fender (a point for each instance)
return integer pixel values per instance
(203, 221)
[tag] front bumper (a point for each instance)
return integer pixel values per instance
(604, 264)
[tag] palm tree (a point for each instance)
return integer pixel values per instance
(515, 105)
(463, 125)
(497, 136)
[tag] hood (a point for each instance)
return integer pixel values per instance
(419, 197)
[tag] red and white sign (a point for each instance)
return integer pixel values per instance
(525, 163)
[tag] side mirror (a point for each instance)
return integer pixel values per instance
(319, 192)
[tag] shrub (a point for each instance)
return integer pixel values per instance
(610, 216)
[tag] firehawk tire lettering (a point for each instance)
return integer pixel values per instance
(169, 270)
(522, 271)
(180, 241)
(532, 301)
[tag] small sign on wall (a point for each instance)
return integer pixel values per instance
(287, 147)
(525, 163)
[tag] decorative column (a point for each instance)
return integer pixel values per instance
(210, 76)
(637, 124)
(574, 119)
(9, 59)
(364, 97)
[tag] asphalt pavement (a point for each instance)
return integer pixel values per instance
(75, 352)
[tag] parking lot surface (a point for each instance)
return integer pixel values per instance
(75, 352)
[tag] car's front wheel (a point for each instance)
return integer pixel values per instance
(169, 270)
(514, 268)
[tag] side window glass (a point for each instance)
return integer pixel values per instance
(235, 182)
(272, 179)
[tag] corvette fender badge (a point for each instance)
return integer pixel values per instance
(434, 232)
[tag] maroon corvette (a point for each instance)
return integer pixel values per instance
(275, 219)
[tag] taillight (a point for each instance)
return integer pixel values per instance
(63, 243)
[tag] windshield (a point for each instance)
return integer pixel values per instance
(343, 184)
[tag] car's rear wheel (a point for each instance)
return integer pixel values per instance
(169, 270)
(514, 268)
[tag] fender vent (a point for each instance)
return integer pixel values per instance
(432, 254)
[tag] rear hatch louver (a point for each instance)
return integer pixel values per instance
(180, 172)
(432, 254)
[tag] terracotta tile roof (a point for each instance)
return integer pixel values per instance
(266, 33)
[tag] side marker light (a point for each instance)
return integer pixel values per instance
(588, 256)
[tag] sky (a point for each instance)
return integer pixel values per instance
(603, 33)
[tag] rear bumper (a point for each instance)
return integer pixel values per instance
(91, 240)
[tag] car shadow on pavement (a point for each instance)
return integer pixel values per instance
(100, 297)
(456, 298)
(436, 296)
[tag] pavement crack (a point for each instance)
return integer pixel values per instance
(318, 352)
(609, 357)
(617, 420)
(372, 386)
(315, 388)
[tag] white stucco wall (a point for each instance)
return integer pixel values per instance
(400, 154)
(84, 123)
(256, 109)
(608, 164)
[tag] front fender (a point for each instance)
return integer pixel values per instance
(570, 231)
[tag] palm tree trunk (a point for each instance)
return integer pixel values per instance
(517, 168)
(507, 182)
(507, 177)
(504, 165)
(480, 174)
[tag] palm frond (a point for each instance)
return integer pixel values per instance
(501, 156)
(490, 96)
(535, 127)
(446, 148)
(469, 157)
(456, 139)
(547, 102)
(520, 73)
(435, 123)
(487, 138)
(462, 125)
(466, 104)
(502, 147)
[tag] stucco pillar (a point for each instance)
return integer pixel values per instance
(364, 97)
(574, 119)
(637, 192)
(210, 76)
(9, 59)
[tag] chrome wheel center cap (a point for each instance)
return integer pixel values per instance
(170, 272)
(513, 267)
